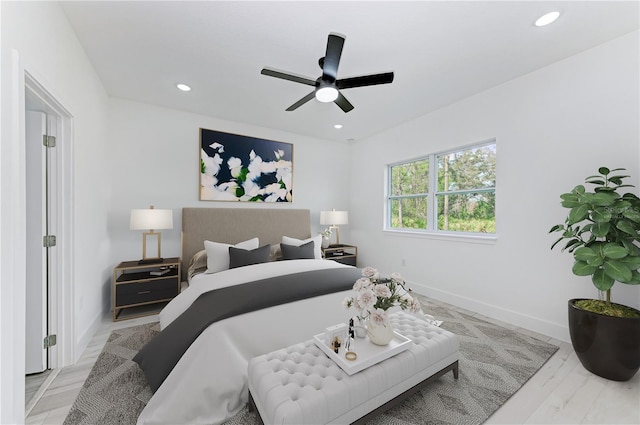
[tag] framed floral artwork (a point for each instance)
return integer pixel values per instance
(243, 168)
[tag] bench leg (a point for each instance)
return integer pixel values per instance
(455, 369)
(254, 408)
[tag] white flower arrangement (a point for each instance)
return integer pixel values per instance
(376, 295)
(247, 180)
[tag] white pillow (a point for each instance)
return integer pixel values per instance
(317, 242)
(218, 253)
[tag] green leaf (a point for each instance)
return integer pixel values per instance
(578, 189)
(603, 199)
(569, 200)
(600, 215)
(617, 270)
(571, 245)
(633, 250)
(556, 242)
(556, 228)
(632, 215)
(635, 278)
(584, 254)
(617, 179)
(600, 229)
(604, 171)
(577, 214)
(614, 251)
(580, 268)
(633, 262)
(627, 227)
(601, 280)
(595, 261)
(596, 182)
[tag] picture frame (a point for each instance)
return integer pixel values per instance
(241, 168)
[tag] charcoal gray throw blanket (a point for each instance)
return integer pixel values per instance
(158, 358)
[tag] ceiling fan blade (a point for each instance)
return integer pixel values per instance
(288, 76)
(365, 80)
(302, 101)
(343, 103)
(335, 42)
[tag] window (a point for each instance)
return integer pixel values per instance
(446, 192)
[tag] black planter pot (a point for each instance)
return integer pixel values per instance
(606, 346)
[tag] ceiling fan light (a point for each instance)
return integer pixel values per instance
(327, 94)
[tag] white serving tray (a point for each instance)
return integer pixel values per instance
(368, 352)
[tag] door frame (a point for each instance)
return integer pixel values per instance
(61, 280)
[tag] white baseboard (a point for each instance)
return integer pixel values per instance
(84, 340)
(535, 324)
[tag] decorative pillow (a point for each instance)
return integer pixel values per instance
(276, 253)
(292, 252)
(239, 257)
(198, 264)
(218, 253)
(317, 241)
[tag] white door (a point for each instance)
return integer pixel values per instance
(36, 270)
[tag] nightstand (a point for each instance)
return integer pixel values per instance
(143, 289)
(345, 254)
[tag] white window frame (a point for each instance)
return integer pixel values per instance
(432, 231)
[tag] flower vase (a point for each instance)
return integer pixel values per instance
(379, 334)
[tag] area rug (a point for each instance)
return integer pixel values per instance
(494, 363)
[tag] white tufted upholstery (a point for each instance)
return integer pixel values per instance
(301, 385)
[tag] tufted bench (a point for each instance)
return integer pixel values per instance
(301, 385)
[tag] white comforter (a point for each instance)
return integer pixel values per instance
(209, 383)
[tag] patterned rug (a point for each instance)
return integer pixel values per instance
(494, 363)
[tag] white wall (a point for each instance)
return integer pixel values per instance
(553, 127)
(37, 38)
(154, 156)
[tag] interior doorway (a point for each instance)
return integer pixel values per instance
(49, 238)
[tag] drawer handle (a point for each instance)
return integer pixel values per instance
(143, 292)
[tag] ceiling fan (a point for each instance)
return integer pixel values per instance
(328, 86)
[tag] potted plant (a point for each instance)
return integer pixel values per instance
(602, 232)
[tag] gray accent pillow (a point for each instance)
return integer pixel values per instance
(243, 257)
(292, 252)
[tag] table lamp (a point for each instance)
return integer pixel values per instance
(151, 219)
(334, 218)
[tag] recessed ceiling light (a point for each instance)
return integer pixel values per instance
(547, 19)
(183, 87)
(338, 126)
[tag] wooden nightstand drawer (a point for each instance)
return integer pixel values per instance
(140, 289)
(143, 292)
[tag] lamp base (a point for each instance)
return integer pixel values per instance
(151, 260)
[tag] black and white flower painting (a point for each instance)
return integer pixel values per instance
(242, 168)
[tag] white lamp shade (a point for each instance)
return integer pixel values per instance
(334, 218)
(147, 219)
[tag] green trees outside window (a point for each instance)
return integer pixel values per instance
(451, 191)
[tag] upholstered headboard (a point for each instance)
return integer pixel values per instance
(233, 225)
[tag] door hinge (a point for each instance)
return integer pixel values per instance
(48, 241)
(49, 341)
(49, 141)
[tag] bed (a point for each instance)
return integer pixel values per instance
(208, 383)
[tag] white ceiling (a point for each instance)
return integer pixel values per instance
(440, 52)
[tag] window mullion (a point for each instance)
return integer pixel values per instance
(431, 198)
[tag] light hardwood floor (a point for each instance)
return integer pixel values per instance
(562, 392)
